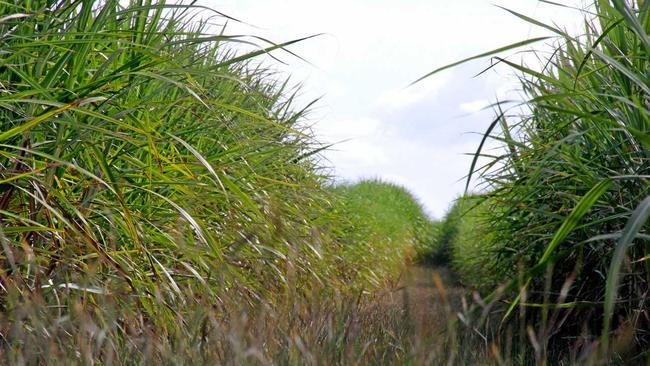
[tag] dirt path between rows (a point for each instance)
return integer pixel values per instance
(430, 297)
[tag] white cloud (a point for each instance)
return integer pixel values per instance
(345, 129)
(396, 99)
(474, 106)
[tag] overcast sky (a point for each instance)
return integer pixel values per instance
(369, 52)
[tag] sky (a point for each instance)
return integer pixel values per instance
(361, 64)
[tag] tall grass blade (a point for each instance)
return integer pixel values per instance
(482, 55)
(634, 225)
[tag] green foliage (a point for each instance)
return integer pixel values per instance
(136, 150)
(158, 190)
(153, 183)
(463, 240)
(439, 251)
(159, 200)
(588, 126)
(574, 168)
(473, 250)
(385, 224)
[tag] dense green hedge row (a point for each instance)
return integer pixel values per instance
(155, 184)
(568, 200)
(385, 223)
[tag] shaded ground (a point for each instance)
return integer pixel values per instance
(433, 301)
(422, 313)
(429, 295)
